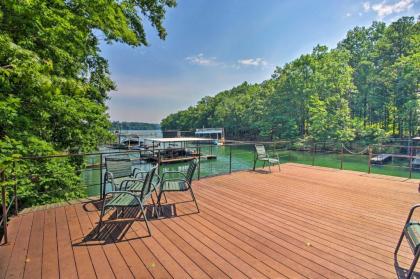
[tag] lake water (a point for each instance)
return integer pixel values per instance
(227, 159)
(235, 158)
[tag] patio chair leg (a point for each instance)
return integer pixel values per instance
(399, 244)
(101, 217)
(159, 206)
(269, 166)
(192, 194)
(279, 167)
(255, 163)
(164, 195)
(413, 264)
(145, 218)
(264, 165)
(154, 207)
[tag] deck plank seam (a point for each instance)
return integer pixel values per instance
(280, 220)
(191, 235)
(327, 254)
(258, 240)
(226, 188)
(233, 244)
(107, 257)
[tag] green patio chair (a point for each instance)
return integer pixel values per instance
(126, 199)
(178, 184)
(411, 231)
(261, 155)
(122, 175)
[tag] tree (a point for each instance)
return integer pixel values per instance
(365, 89)
(53, 81)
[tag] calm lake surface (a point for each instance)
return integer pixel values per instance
(236, 158)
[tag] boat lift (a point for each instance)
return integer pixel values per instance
(174, 150)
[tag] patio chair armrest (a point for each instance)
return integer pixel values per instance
(137, 171)
(126, 181)
(110, 177)
(411, 212)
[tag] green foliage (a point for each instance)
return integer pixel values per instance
(54, 83)
(365, 89)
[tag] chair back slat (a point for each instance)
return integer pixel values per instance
(261, 153)
(147, 185)
(190, 172)
(119, 166)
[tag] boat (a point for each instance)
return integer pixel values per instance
(381, 159)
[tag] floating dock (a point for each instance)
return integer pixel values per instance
(175, 150)
(381, 159)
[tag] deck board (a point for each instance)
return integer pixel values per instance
(33, 266)
(50, 267)
(302, 222)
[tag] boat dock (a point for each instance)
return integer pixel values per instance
(381, 159)
(175, 150)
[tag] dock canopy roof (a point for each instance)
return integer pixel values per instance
(163, 140)
(206, 131)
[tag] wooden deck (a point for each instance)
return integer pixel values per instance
(304, 222)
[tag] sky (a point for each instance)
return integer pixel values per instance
(214, 45)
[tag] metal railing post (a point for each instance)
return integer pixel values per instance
(199, 163)
(230, 159)
(369, 158)
(4, 207)
(313, 153)
(158, 162)
(411, 161)
(101, 178)
(15, 189)
(255, 159)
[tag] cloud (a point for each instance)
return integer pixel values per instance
(366, 6)
(384, 9)
(348, 14)
(200, 59)
(252, 62)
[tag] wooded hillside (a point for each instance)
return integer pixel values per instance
(365, 88)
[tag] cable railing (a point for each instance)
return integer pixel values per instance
(37, 180)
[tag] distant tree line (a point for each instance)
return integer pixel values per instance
(117, 125)
(366, 88)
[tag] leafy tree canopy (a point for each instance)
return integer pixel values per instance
(53, 80)
(366, 88)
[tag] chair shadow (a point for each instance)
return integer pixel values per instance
(261, 171)
(96, 203)
(169, 210)
(402, 272)
(114, 229)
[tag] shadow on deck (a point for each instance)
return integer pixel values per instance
(302, 222)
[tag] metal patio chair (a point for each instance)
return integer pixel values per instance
(263, 156)
(411, 231)
(123, 176)
(181, 183)
(123, 199)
